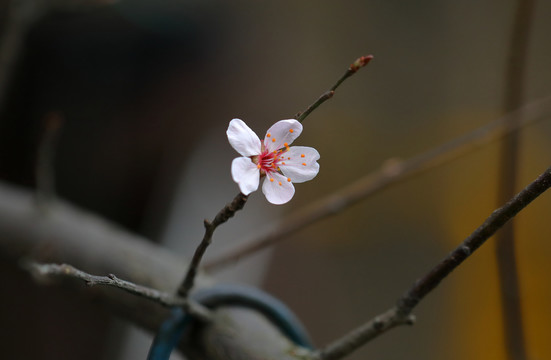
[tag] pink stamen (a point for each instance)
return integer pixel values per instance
(268, 161)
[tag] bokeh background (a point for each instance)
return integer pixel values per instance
(146, 90)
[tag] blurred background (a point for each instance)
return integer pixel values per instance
(145, 91)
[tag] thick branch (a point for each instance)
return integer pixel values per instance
(240, 334)
(400, 314)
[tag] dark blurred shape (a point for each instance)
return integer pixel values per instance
(105, 74)
(108, 71)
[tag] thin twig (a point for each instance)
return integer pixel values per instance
(401, 313)
(509, 168)
(223, 215)
(391, 173)
(163, 298)
(354, 67)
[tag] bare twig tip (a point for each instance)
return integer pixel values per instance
(360, 63)
(356, 65)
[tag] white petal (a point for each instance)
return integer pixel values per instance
(245, 173)
(300, 163)
(283, 131)
(277, 189)
(242, 138)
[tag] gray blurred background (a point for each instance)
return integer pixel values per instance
(146, 90)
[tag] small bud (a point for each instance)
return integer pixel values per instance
(360, 62)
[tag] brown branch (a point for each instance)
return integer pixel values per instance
(391, 173)
(163, 298)
(354, 67)
(400, 314)
(223, 215)
(507, 184)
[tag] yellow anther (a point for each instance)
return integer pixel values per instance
(302, 155)
(280, 183)
(286, 145)
(272, 179)
(273, 140)
(268, 135)
(291, 130)
(288, 158)
(283, 163)
(258, 166)
(304, 164)
(289, 179)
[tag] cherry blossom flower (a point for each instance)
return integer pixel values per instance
(271, 158)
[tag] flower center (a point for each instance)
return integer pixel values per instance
(268, 161)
